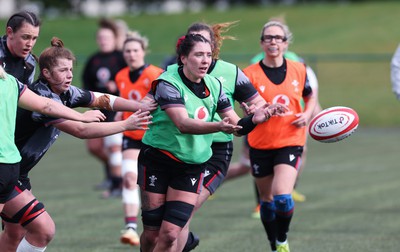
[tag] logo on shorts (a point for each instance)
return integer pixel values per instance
(291, 157)
(194, 180)
(152, 180)
(256, 168)
(206, 173)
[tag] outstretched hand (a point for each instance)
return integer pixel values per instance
(93, 116)
(301, 120)
(138, 120)
(250, 109)
(276, 109)
(268, 110)
(227, 127)
(147, 104)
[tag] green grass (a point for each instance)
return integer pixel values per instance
(351, 188)
(349, 45)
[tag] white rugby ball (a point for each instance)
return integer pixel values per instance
(333, 124)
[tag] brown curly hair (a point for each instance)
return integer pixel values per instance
(216, 31)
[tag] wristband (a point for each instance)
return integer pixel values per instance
(247, 125)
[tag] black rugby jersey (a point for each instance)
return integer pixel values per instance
(35, 133)
(22, 69)
(99, 69)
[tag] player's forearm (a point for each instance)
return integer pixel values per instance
(121, 104)
(191, 126)
(58, 110)
(95, 130)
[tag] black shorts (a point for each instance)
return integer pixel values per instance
(217, 166)
(9, 174)
(263, 161)
(157, 171)
(129, 143)
(18, 189)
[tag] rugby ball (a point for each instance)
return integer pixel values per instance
(333, 124)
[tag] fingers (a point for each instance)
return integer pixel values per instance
(139, 121)
(149, 105)
(140, 113)
(277, 109)
(94, 116)
(266, 105)
(300, 122)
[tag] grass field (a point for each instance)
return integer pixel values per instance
(351, 187)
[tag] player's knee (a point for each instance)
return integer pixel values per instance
(130, 181)
(153, 218)
(267, 210)
(43, 236)
(284, 204)
(34, 221)
(178, 212)
(129, 172)
(46, 232)
(130, 196)
(115, 159)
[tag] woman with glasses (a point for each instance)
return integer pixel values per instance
(277, 144)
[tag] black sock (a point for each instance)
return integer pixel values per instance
(282, 226)
(189, 239)
(116, 182)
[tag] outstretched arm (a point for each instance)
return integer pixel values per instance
(188, 125)
(137, 121)
(115, 103)
(260, 115)
(31, 101)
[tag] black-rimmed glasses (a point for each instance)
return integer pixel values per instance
(269, 38)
